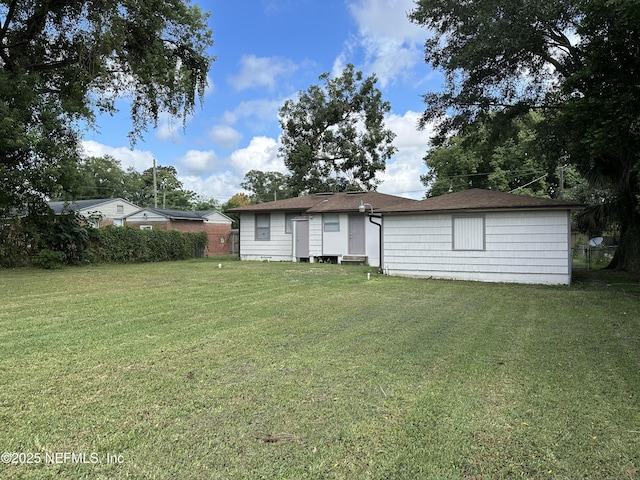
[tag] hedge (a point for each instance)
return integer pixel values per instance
(130, 245)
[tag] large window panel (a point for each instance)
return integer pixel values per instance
(331, 222)
(288, 222)
(468, 233)
(263, 226)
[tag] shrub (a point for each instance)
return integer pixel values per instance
(49, 259)
(126, 244)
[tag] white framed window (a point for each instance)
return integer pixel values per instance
(120, 208)
(288, 222)
(146, 227)
(331, 222)
(263, 226)
(468, 232)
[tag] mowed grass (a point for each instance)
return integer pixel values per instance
(288, 371)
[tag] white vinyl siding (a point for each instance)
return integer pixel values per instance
(468, 233)
(279, 247)
(519, 246)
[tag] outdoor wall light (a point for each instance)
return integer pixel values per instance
(363, 207)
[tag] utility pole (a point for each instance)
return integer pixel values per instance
(155, 186)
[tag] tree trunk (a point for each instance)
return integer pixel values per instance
(627, 256)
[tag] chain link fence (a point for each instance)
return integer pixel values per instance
(588, 257)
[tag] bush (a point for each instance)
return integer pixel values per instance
(126, 244)
(49, 259)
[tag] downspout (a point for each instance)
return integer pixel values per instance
(379, 225)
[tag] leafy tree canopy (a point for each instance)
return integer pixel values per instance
(62, 61)
(267, 186)
(576, 61)
(334, 136)
(502, 154)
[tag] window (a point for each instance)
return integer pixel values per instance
(263, 226)
(146, 227)
(332, 222)
(468, 233)
(288, 222)
(120, 208)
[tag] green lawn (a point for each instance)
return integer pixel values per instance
(281, 370)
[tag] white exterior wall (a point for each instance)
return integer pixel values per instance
(372, 241)
(520, 246)
(321, 243)
(335, 243)
(218, 218)
(109, 209)
(278, 248)
(151, 217)
(315, 236)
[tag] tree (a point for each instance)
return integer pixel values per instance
(503, 159)
(237, 200)
(334, 136)
(61, 61)
(267, 186)
(576, 61)
(103, 177)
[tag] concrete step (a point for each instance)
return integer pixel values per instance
(354, 260)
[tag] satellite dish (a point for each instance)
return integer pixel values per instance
(595, 241)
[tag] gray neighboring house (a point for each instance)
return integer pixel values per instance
(480, 235)
(112, 211)
(338, 227)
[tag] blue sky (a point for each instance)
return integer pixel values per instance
(266, 52)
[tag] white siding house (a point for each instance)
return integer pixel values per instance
(111, 211)
(320, 227)
(480, 235)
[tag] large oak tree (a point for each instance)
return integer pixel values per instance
(334, 137)
(575, 61)
(63, 61)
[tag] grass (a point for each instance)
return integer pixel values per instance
(287, 371)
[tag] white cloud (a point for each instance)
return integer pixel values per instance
(140, 160)
(260, 154)
(402, 176)
(221, 186)
(261, 72)
(225, 136)
(197, 161)
(393, 45)
(258, 113)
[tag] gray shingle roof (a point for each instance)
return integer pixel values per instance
(477, 199)
(326, 203)
(76, 205)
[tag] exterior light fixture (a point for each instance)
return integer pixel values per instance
(363, 207)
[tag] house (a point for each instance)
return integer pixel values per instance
(109, 211)
(332, 227)
(480, 235)
(215, 224)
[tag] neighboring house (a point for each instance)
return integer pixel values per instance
(111, 211)
(335, 227)
(480, 235)
(215, 224)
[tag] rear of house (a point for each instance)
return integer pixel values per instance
(481, 235)
(336, 227)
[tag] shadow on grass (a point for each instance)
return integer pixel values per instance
(606, 279)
